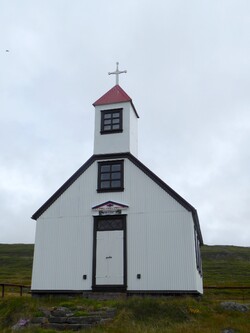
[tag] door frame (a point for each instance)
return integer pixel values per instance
(111, 288)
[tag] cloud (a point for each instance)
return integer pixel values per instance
(188, 74)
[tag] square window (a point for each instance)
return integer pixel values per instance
(111, 121)
(110, 176)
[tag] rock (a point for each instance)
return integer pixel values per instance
(228, 330)
(57, 320)
(22, 323)
(39, 320)
(64, 327)
(45, 311)
(106, 320)
(90, 320)
(61, 312)
(62, 318)
(233, 306)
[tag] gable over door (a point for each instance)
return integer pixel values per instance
(109, 253)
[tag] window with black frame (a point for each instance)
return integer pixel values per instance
(198, 253)
(110, 223)
(110, 176)
(111, 121)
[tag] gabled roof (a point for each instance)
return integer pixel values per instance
(115, 95)
(136, 162)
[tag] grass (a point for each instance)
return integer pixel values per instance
(222, 265)
(16, 263)
(147, 315)
(226, 265)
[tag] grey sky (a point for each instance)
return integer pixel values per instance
(188, 66)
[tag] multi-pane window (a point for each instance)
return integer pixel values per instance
(111, 121)
(198, 253)
(110, 176)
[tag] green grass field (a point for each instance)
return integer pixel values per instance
(222, 266)
(226, 265)
(16, 263)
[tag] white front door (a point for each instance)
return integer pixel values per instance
(110, 257)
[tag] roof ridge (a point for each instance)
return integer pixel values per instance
(115, 95)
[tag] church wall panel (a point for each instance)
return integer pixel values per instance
(64, 255)
(158, 224)
(160, 253)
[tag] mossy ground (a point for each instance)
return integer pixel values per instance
(150, 315)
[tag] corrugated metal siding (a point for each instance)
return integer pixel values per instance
(160, 236)
(63, 254)
(159, 248)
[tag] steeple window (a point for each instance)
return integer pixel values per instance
(111, 121)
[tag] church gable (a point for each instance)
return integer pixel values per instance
(71, 185)
(65, 199)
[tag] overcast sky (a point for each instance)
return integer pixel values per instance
(188, 66)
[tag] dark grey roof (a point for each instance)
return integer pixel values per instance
(136, 162)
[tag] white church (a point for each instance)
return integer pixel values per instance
(114, 226)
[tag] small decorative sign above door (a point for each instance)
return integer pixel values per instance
(109, 208)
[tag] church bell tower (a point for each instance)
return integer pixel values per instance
(115, 122)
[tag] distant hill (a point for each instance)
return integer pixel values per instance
(16, 263)
(226, 265)
(222, 265)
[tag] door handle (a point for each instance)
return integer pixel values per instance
(109, 257)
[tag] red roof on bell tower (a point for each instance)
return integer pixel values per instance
(115, 95)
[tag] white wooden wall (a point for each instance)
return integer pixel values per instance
(160, 237)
